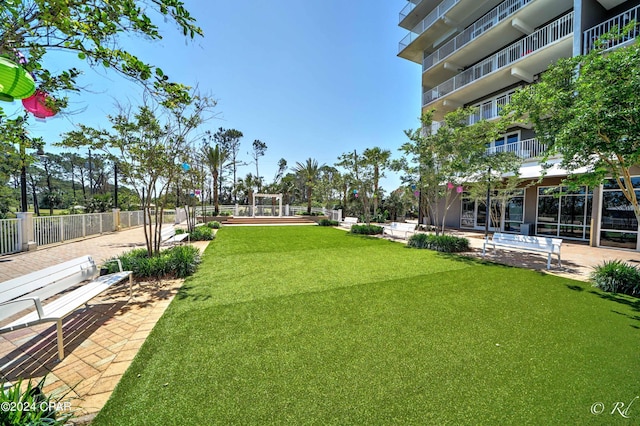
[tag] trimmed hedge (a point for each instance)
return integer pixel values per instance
(214, 224)
(616, 276)
(327, 222)
(441, 243)
(366, 229)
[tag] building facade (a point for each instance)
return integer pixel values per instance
(477, 53)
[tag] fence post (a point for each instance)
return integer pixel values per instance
(61, 229)
(286, 210)
(116, 219)
(84, 226)
(235, 210)
(27, 234)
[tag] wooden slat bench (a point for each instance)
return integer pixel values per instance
(547, 245)
(168, 235)
(33, 294)
(401, 228)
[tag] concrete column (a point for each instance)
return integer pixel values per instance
(116, 219)
(27, 232)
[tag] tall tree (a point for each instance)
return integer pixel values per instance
(215, 158)
(229, 141)
(308, 172)
(586, 109)
(436, 162)
(151, 145)
(259, 148)
(378, 159)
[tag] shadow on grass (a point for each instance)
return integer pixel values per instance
(630, 301)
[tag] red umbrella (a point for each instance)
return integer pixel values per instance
(37, 105)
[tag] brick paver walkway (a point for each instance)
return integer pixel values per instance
(100, 342)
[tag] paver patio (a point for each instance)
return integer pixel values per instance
(100, 342)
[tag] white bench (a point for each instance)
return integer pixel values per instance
(168, 235)
(349, 221)
(547, 245)
(34, 292)
(399, 227)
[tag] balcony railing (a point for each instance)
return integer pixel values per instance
(411, 4)
(426, 23)
(528, 148)
(490, 109)
(513, 53)
(594, 33)
(482, 25)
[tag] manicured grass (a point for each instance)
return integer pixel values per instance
(312, 325)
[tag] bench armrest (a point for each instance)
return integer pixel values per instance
(35, 299)
(117, 260)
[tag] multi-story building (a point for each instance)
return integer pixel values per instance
(477, 53)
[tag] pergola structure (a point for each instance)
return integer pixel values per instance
(276, 196)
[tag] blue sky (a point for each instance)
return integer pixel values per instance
(312, 78)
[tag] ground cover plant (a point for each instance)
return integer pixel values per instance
(366, 229)
(617, 276)
(443, 243)
(312, 325)
(175, 262)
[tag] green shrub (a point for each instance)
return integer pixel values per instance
(179, 262)
(327, 222)
(214, 225)
(441, 243)
(183, 260)
(366, 229)
(28, 405)
(201, 233)
(617, 276)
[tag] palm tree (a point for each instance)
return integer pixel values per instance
(379, 160)
(308, 172)
(215, 158)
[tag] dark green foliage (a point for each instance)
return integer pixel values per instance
(328, 222)
(201, 233)
(29, 406)
(366, 229)
(214, 225)
(179, 262)
(617, 276)
(442, 243)
(180, 231)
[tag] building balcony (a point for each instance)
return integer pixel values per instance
(519, 61)
(414, 12)
(525, 149)
(437, 26)
(618, 22)
(482, 25)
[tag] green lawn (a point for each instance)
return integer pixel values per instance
(311, 325)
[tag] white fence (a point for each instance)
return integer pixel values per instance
(10, 236)
(27, 231)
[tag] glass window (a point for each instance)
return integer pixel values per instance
(548, 208)
(572, 210)
(619, 239)
(617, 212)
